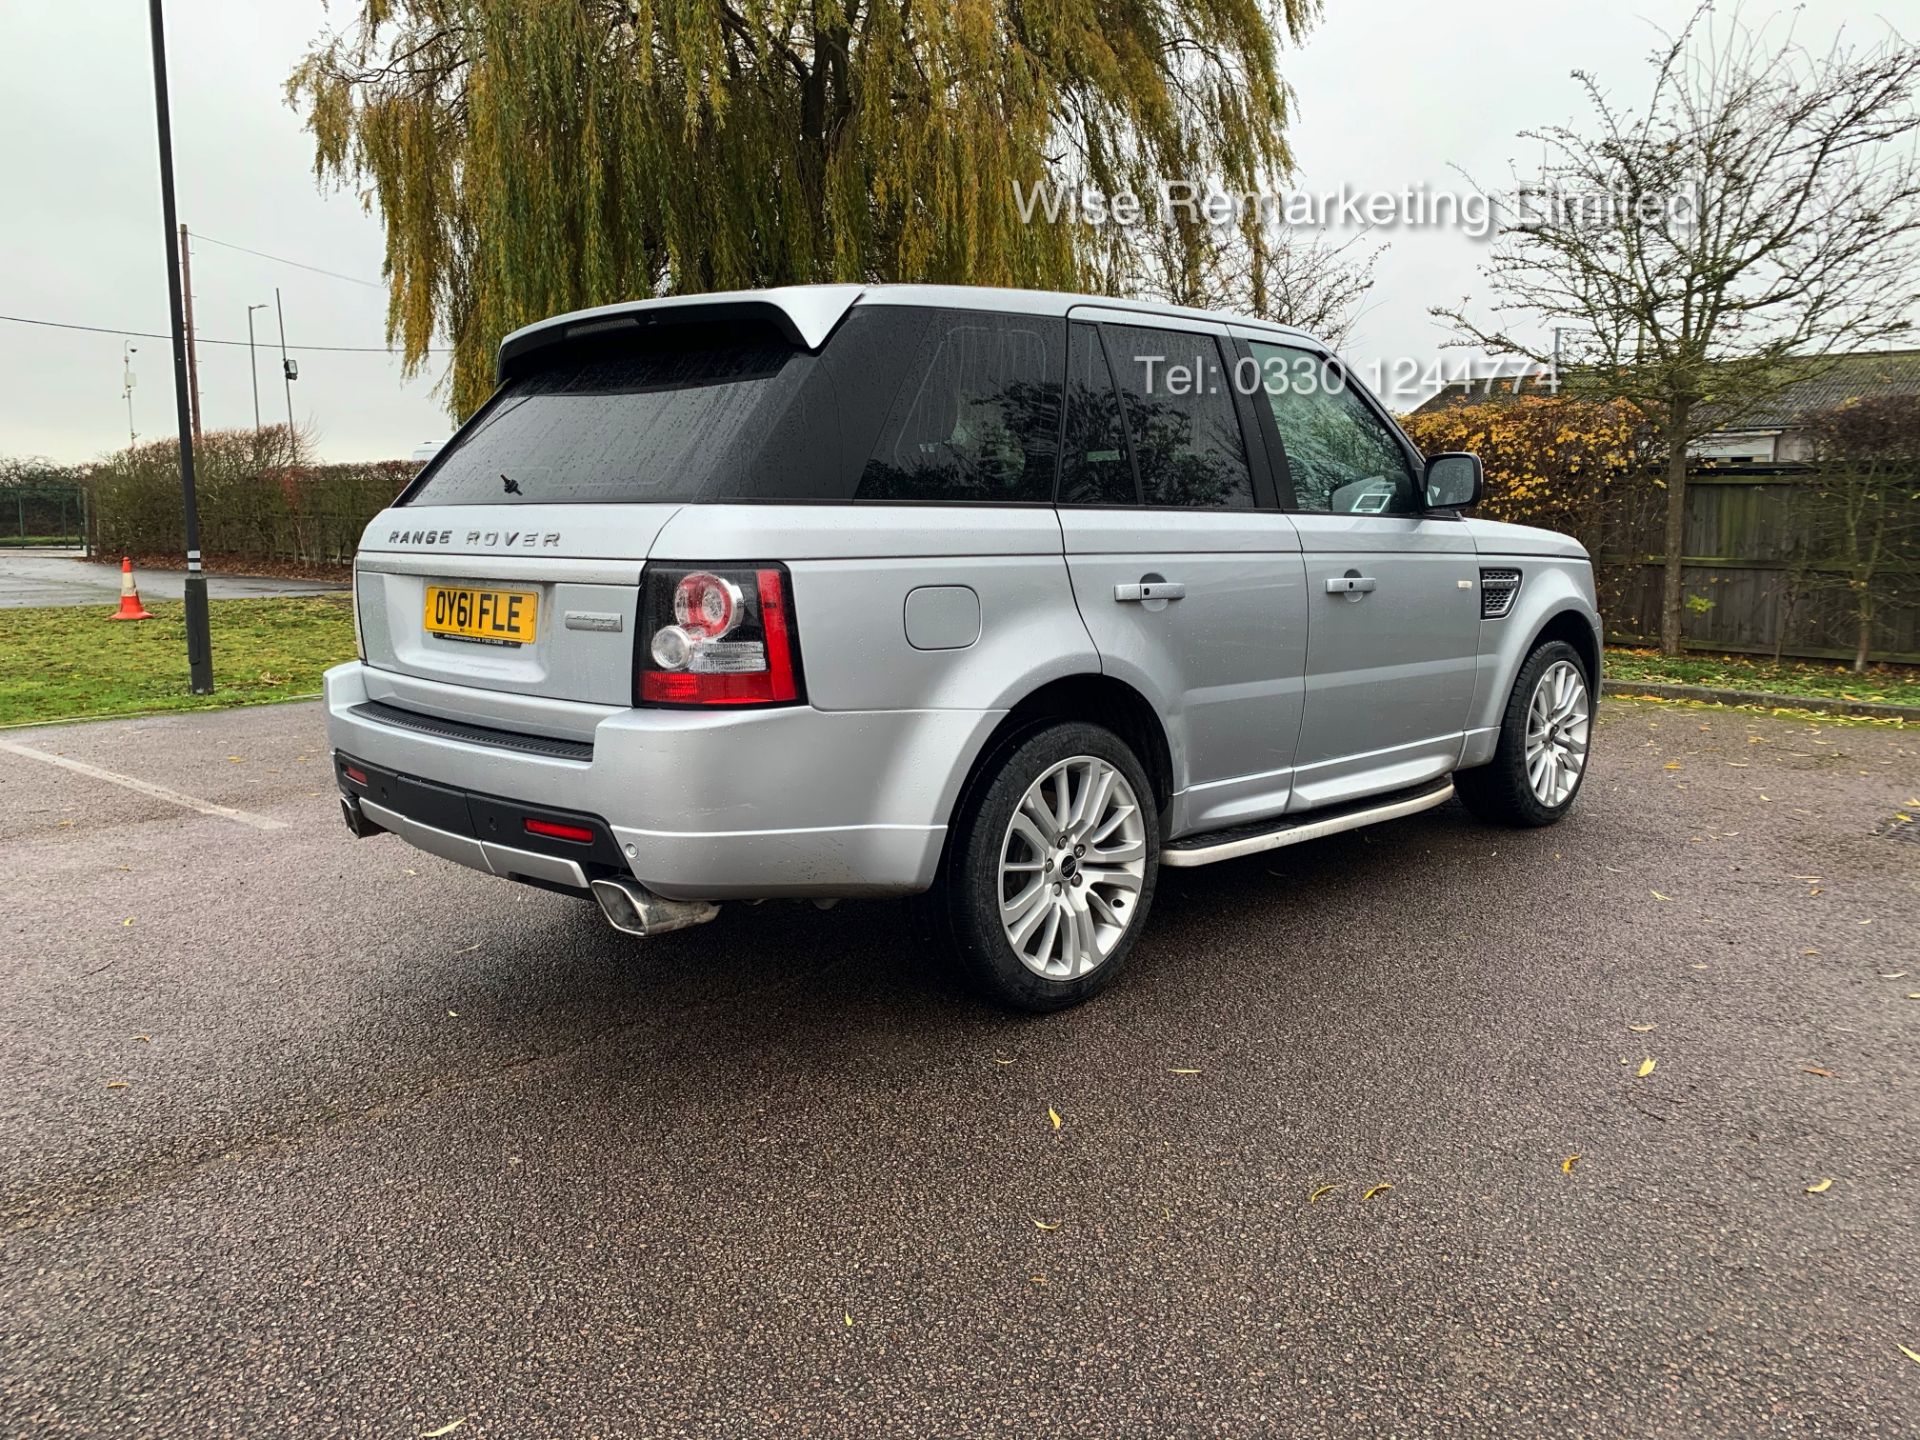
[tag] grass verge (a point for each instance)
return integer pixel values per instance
(1886, 684)
(70, 661)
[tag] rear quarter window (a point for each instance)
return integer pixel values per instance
(976, 416)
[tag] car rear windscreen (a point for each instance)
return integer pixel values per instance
(599, 424)
(902, 404)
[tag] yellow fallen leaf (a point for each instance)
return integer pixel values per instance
(1566, 1165)
(1379, 1189)
(454, 1014)
(1642, 1029)
(1913, 995)
(1321, 1193)
(1047, 1224)
(1646, 1067)
(1671, 765)
(116, 1084)
(1810, 952)
(849, 1319)
(446, 1429)
(144, 1039)
(1054, 1116)
(1038, 1279)
(1816, 1070)
(1658, 896)
(127, 921)
(1913, 1355)
(1183, 1072)
(1893, 975)
(1820, 1187)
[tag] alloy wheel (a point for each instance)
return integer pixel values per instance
(1072, 864)
(1558, 724)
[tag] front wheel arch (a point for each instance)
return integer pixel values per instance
(1574, 629)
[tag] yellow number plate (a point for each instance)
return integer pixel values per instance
(490, 617)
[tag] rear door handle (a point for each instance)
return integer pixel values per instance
(1349, 584)
(1151, 590)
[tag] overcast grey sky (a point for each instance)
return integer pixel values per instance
(1392, 93)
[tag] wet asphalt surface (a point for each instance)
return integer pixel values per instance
(399, 1145)
(63, 577)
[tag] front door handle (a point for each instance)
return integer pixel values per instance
(1350, 583)
(1151, 590)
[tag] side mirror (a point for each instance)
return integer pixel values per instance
(1454, 480)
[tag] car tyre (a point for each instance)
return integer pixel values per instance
(1066, 807)
(1526, 784)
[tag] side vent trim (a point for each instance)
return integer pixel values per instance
(1498, 590)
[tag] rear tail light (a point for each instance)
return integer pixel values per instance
(717, 635)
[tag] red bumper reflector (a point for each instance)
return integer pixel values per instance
(357, 776)
(555, 831)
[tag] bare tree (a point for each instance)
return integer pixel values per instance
(1760, 214)
(1864, 515)
(1270, 270)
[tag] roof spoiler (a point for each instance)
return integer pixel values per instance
(804, 314)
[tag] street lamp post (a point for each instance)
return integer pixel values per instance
(253, 367)
(199, 638)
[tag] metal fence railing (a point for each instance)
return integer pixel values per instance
(42, 515)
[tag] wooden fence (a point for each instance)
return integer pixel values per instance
(1754, 580)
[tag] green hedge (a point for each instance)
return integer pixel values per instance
(259, 500)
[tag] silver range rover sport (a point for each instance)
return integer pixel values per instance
(1000, 599)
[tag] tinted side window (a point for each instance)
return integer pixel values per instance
(1095, 469)
(1186, 436)
(1342, 457)
(977, 416)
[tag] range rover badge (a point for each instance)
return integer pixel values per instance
(593, 620)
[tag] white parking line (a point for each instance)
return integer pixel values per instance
(158, 792)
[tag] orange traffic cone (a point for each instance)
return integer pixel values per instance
(130, 606)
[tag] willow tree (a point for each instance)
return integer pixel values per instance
(533, 156)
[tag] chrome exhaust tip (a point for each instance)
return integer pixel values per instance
(357, 822)
(633, 909)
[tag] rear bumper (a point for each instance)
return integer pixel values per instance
(710, 806)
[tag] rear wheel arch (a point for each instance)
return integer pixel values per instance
(1098, 699)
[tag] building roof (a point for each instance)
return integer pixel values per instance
(1482, 392)
(1869, 374)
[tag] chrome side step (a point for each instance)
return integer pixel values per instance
(1272, 835)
